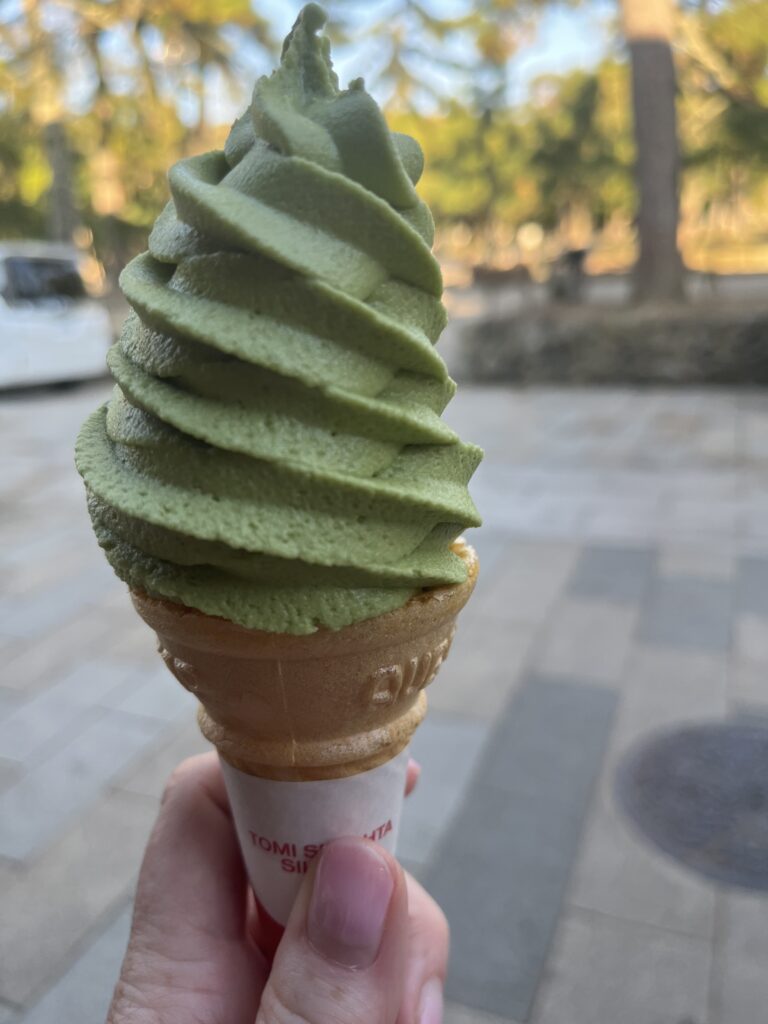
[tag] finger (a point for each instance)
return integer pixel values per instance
(428, 948)
(412, 776)
(264, 932)
(343, 957)
(188, 935)
(192, 868)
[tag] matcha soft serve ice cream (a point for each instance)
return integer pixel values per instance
(273, 452)
(272, 477)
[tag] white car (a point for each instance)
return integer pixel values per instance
(50, 329)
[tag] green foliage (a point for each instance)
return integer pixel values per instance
(738, 68)
(568, 147)
(723, 65)
(415, 47)
(128, 79)
(581, 149)
(24, 178)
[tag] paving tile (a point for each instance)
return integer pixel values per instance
(10, 773)
(34, 576)
(492, 546)
(10, 647)
(134, 639)
(445, 776)
(666, 687)
(17, 472)
(614, 466)
(37, 663)
(752, 527)
(50, 908)
(35, 723)
(84, 993)
(9, 701)
(93, 680)
(741, 955)
(693, 517)
(36, 614)
(539, 477)
(56, 711)
(748, 673)
(48, 796)
(457, 1014)
(755, 431)
(154, 692)
(752, 586)
(150, 774)
(748, 685)
(753, 487)
(553, 516)
(519, 828)
(704, 486)
(543, 731)
(587, 640)
(752, 546)
(483, 668)
(506, 507)
(500, 511)
(529, 581)
(618, 873)
(616, 574)
(720, 444)
(750, 638)
(603, 970)
(703, 561)
(688, 614)
(698, 677)
(41, 545)
(618, 514)
(630, 528)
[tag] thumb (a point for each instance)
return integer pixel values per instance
(342, 958)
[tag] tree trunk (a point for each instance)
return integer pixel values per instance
(62, 215)
(648, 29)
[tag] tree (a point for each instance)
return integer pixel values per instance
(648, 26)
(563, 160)
(579, 146)
(115, 90)
(109, 93)
(725, 58)
(422, 56)
(24, 178)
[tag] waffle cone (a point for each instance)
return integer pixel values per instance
(328, 705)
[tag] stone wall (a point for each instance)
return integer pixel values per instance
(588, 345)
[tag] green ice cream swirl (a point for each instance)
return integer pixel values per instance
(273, 451)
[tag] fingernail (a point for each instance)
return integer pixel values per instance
(431, 1002)
(349, 904)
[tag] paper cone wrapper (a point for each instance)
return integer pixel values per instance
(312, 731)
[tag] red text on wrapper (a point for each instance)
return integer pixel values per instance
(295, 859)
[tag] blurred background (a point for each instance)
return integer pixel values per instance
(597, 172)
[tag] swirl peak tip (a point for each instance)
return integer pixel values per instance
(302, 44)
(312, 17)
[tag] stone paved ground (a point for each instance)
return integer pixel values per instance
(624, 588)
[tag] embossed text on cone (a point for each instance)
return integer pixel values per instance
(327, 705)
